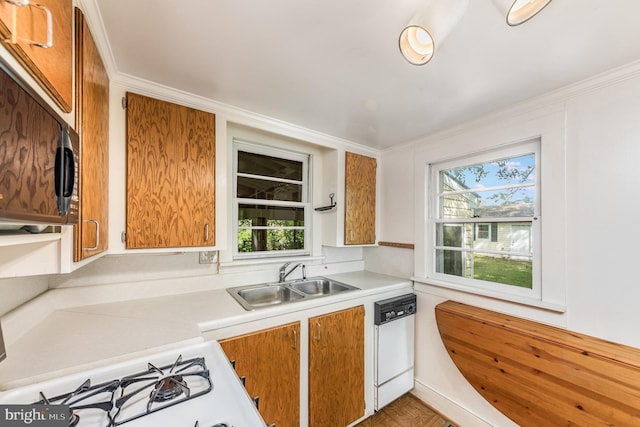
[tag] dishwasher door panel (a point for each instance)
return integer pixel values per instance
(394, 348)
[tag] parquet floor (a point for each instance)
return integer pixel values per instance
(407, 411)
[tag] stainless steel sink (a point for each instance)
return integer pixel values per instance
(270, 294)
(265, 295)
(320, 286)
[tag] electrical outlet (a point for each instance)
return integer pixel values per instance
(208, 257)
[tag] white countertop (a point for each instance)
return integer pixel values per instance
(93, 335)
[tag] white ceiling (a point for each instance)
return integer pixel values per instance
(334, 66)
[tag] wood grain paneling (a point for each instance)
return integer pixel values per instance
(360, 200)
(397, 245)
(28, 143)
(270, 362)
(541, 375)
(52, 67)
(336, 368)
(92, 123)
(170, 175)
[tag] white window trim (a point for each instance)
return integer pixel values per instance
(513, 150)
(242, 145)
(477, 225)
(549, 126)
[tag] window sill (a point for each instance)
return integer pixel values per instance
(310, 260)
(546, 305)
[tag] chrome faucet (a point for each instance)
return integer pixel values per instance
(284, 273)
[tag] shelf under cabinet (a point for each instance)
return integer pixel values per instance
(26, 239)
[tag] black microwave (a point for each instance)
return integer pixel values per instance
(39, 154)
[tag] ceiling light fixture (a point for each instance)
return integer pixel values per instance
(435, 20)
(520, 11)
(428, 29)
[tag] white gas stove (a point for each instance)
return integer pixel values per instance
(193, 386)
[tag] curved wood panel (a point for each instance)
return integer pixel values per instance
(541, 375)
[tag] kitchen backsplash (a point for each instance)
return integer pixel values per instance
(136, 276)
(17, 291)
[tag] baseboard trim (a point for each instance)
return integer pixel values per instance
(449, 409)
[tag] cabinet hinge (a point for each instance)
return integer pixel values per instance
(123, 237)
(124, 102)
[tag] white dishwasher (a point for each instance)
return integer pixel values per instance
(394, 320)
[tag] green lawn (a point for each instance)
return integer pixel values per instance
(500, 270)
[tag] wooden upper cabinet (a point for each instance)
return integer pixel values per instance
(170, 175)
(92, 124)
(336, 368)
(360, 200)
(26, 31)
(270, 362)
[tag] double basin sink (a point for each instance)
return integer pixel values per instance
(270, 294)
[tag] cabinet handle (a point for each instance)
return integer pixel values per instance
(206, 232)
(318, 331)
(14, 38)
(295, 339)
(256, 401)
(97, 235)
(351, 236)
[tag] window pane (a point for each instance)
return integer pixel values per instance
(511, 202)
(482, 231)
(450, 262)
(510, 270)
(451, 235)
(504, 269)
(259, 164)
(269, 240)
(251, 188)
(270, 216)
(477, 195)
(511, 171)
(506, 237)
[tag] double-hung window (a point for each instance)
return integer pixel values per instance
(484, 220)
(272, 207)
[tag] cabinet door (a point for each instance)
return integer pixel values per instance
(360, 200)
(22, 27)
(270, 362)
(170, 175)
(92, 124)
(336, 368)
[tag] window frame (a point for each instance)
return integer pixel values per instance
(305, 203)
(432, 197)
(478, 231)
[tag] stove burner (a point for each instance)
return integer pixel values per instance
(166, 386)
(169, 388)
(85, 397)
(74, 419)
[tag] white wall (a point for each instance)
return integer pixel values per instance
(602, 183)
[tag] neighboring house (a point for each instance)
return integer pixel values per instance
(490, 236)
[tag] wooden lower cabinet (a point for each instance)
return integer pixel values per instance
(336, 368)
(270, 362)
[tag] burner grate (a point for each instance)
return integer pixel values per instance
(159, 388)
(85, 397)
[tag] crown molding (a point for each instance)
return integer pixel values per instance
(553, 100)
